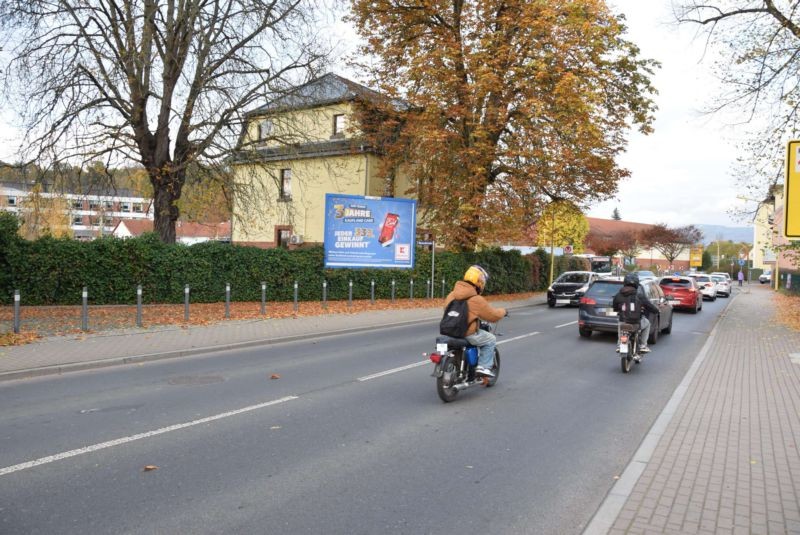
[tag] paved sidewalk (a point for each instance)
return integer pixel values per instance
(723, 456)
(60, 354)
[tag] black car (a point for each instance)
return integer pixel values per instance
(596, 313)
(569, 287)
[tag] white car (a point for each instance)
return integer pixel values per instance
(765, 277)
(707, 286)
(723, 285)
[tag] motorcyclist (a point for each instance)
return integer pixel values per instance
(631, 304)
(470, 288)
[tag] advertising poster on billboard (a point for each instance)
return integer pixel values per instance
(369, 232)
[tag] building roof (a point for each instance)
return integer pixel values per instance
(327, 89)
(137, 227)
(612, 226)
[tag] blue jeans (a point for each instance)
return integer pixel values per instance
(644, 331)
(485, 342)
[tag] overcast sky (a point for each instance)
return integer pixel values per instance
(681, 174)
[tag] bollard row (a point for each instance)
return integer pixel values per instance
(187, 293)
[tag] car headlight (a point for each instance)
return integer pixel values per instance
(550, 289)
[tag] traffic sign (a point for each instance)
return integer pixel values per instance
(791, 209)
(741, 261)
(567, 249)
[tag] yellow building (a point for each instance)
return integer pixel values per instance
(296, 149)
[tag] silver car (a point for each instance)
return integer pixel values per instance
(723, 285)
(707, 286)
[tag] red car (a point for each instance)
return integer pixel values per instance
(682, 292)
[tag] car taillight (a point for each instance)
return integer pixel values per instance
(436, 358)
(588, 301)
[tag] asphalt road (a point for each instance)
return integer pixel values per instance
(351, 437)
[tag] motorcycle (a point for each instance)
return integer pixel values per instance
(628, 345)
(455, 361)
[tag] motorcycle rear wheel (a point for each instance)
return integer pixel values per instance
(445, 383)
(626, 363)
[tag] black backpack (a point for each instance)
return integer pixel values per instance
(455, 320)
(629, 309)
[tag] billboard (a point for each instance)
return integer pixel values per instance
(369, 232)
(696, 256)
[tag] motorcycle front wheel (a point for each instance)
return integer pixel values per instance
(445, 383)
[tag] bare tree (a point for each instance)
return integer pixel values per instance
(756, 44)
(160, 82)
(671, 242)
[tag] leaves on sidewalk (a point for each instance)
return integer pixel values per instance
(149, 468)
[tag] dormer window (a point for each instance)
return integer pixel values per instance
(339, 124)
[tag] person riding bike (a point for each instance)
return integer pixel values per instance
(479, 308)
(631, 305)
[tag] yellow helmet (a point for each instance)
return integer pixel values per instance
(476, 276)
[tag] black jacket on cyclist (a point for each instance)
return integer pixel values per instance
(631, 304)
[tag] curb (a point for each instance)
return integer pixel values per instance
(603, 519)
(60, 369)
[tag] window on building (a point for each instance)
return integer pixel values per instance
(94, 205)
(94, 221)
(77, 205)
(284, 235)
(137, 207)
(286, 184)
(12, 201)
(108, 205)
(77, 220)
(339, 124)
(264, 129)
(126, 207)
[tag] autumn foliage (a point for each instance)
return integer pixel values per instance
(508, 105)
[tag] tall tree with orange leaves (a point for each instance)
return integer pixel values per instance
(510, 105)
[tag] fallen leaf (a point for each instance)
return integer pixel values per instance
(149, 468)
(275, 427)
(274, 376)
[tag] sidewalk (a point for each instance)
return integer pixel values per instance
(723, 456)
(60, 354)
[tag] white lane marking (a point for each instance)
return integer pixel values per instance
(565, 324)
(148, 434)
(519, 337)
(424, 362)
(394, 370)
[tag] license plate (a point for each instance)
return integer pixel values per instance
(674, 302)
(623, 348)
(441, 348)
(611, 312)
(562, 301)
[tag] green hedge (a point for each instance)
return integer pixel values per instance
(51, 271)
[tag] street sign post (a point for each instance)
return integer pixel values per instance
(791, 208)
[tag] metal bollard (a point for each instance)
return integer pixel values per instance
(186, 304)
(227, 300)
(392, 290)
(16, 311)
(296, 306)
(372, 292)
(138, 305)
(411, 289)
(85, 309)
(443, 294)
(263, 298)
(325, 295)
(428, 293)
(350, 296)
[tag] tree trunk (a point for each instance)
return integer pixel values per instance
(166, 191)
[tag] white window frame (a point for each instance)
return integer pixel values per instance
(11, 201)
(265, 128)
(286, 185)
(339, 124)
(125, 207)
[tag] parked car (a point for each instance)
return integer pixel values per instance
(569, 287)
(707, 286)
(722, 274)
(683, 293)
(765, 277)
(723, 285)
(595, 312)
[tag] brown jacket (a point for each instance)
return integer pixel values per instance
(479, 308)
